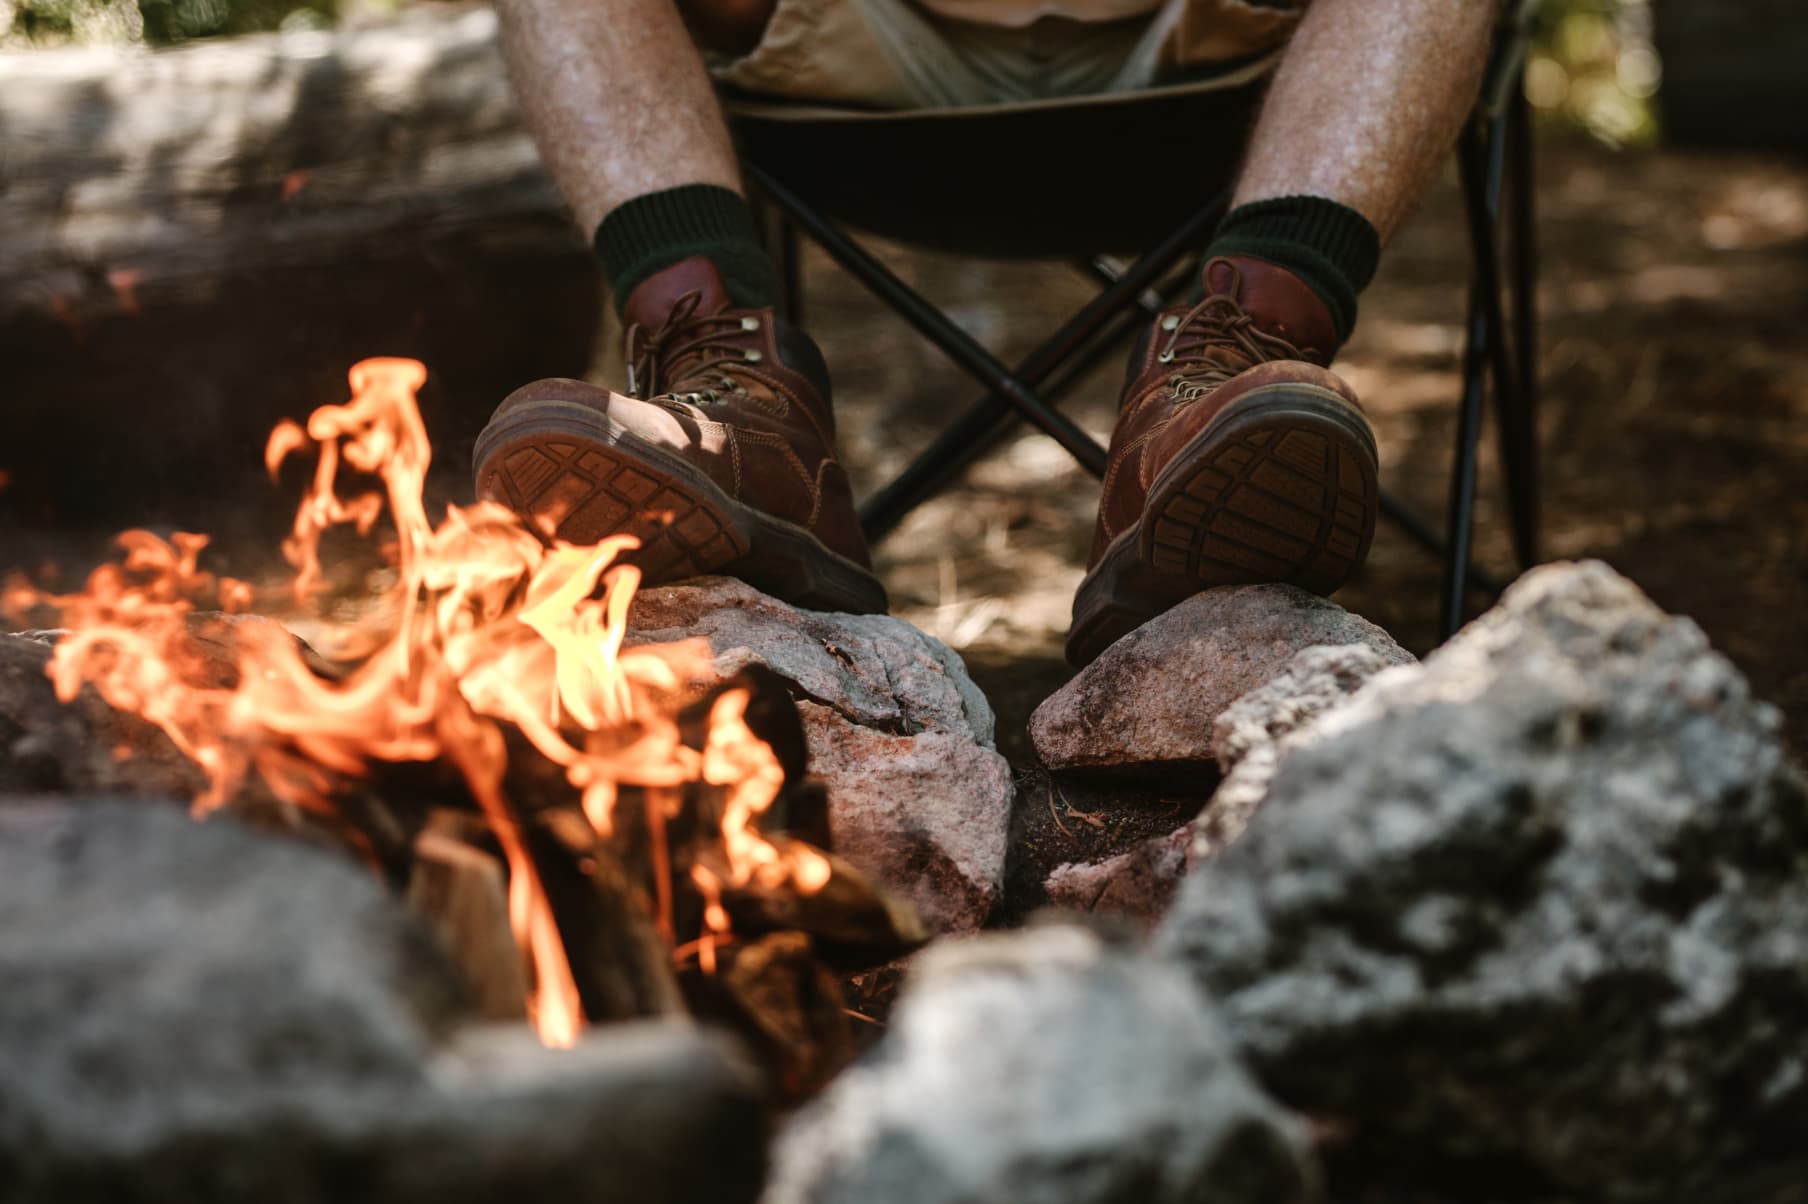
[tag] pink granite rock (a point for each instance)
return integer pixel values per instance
(927, 814)
(897, 731)
(1136, 885)
(1153, 698)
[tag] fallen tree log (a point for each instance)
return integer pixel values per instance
(126, 167)
(196, 242)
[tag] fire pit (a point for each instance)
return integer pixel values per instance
(481, 738)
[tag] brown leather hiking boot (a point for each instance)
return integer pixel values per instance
(1237, 458)
(720, 458)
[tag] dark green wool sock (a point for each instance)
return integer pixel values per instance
(655, 231)
(1329, 246)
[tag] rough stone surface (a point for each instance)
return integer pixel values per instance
(873, 670)
(926, 814)
(1139, 883)
(1541, 901)
(1044, 1067)
(1082, 820)
(1136, 885)
(1152, 698)
(1251, 735)
(897, 731)
(1311, 683)
(49, 748)
(194, 1012)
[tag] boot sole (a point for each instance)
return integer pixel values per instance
(1280, 487)
(582, 474)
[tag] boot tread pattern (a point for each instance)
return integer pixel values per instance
(1291, 505)
(583, 493)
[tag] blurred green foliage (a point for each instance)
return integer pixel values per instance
(1593, 65)
(168, 21)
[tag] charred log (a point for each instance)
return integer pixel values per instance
(776, 994)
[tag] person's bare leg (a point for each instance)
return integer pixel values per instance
(1369, 97)
(617, 99)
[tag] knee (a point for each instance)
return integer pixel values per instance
(728, 26)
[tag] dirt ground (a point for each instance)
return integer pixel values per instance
(1673, 421)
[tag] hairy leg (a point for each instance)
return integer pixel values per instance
(617, 99)
(1370, 95)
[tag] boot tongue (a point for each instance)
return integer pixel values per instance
(1281, 303)
(653, 298)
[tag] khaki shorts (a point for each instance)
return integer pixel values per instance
(892, 54)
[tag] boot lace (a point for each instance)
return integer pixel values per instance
(1214, 341)
(712, 344)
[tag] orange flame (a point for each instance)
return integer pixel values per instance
(485, 625)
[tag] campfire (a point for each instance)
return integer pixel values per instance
(660, 844)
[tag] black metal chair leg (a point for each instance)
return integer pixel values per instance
(1151, 301)
(779, 236)
(933, 325)
(1519, 431)
(1078, 340)
(790, 270)
(984, 424)
(1478, 157)
(1415, 528)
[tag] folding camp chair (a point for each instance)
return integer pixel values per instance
(1018, 195)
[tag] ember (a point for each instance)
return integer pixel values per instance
(490, 632)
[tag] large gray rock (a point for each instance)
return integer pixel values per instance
(85, 746)
(193, 1012)
(49, 748)
(1152, 699)
(1044, 1067)
(1541, 901)
(918, 796)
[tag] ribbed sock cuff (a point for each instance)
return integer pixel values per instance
(655, 231)
(1331, 247)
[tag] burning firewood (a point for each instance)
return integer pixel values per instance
(644, 847)
(777, 993)
(461, 889)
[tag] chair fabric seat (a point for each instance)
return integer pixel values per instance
(1078, 176)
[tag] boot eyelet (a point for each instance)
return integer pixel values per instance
(753, 355)
(1170, 322)
(750, 323)
(1166, 357)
